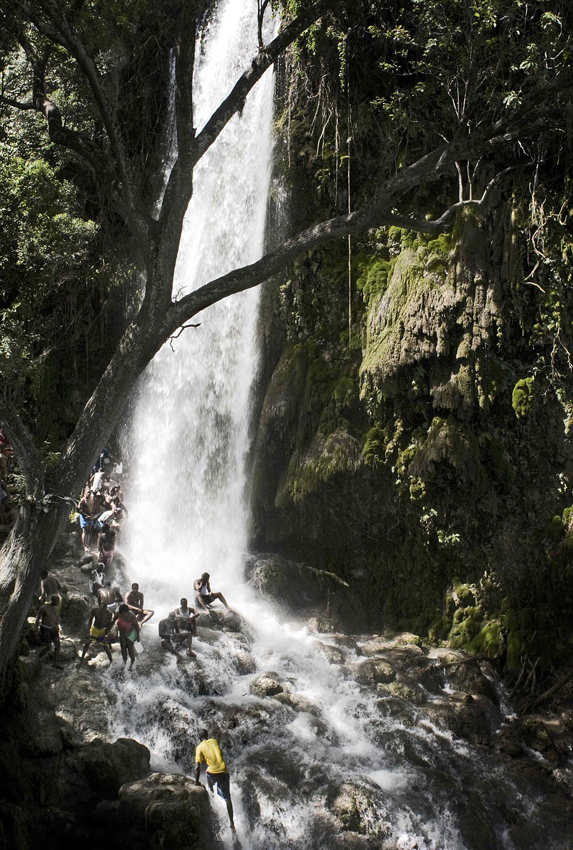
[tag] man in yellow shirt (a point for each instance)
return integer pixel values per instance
(209, 752)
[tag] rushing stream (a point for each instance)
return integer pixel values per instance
(381, 766)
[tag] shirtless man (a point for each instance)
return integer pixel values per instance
(99, 626)
(48, 619)
(171, 636)
(204, 595)
(110, 596)
(106, 544)
(89, 510)
(135, 601)
(49, 586)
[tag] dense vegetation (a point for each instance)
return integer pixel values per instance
(417, 438)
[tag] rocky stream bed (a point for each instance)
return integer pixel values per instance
(333, 740)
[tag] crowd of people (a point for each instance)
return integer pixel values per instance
(102, 511)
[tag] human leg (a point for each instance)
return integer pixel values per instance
(147, 615)
(224, 790)
(168, 646)
(57, 645)
(86, 647)
(221, 597)
(123, 646)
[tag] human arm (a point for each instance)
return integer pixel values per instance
(197, 772)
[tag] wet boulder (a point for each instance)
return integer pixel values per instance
(106, 767)
(294, 585)
(471, 717)
(374, 671)
(332, 653)
(223, 619)
(266, 685)
(75, 613)
(467, 676)
(171, 811)
(357, 809)
(244, 663)
(297, 702)
(323, 625)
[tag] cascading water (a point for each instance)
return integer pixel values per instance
(190, 434)
(391, 777)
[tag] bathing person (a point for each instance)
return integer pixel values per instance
(89, 510)
(135, 601)
(97, 579)
(48, 619)
(49, 586)
(99, 626)
(172, 637)
(106, 544)
(209, 752)
(128, 629)
(186, 617)
(110, 596)
(204, 594)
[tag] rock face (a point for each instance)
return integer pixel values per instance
(169, 810)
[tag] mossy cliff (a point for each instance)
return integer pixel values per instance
(426, 444)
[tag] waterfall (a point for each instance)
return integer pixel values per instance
(301, 769)
(190, 434)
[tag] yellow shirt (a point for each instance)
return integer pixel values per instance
(209, 751)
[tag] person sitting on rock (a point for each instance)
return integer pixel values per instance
(128, 629)
(48, 619)
(186, 617)
(110, 596)
(172, 637)
(135, 600)
(99, 626)
(204, 595)
(209, 752)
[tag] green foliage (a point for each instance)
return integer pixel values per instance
(522, 397)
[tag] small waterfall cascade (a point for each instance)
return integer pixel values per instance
(334, 764)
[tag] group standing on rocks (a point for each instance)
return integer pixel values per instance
(102, 510)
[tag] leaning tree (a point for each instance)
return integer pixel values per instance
(468, 96)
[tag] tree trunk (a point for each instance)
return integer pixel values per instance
(31, 541)
(24, 556)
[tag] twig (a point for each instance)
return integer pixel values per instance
(180, 331)
(553, 690)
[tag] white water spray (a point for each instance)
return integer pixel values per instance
(190, 435)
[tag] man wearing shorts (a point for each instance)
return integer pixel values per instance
(172, 637)
(99, 626)
(209, 752)
(204, 594)
(49, 621)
